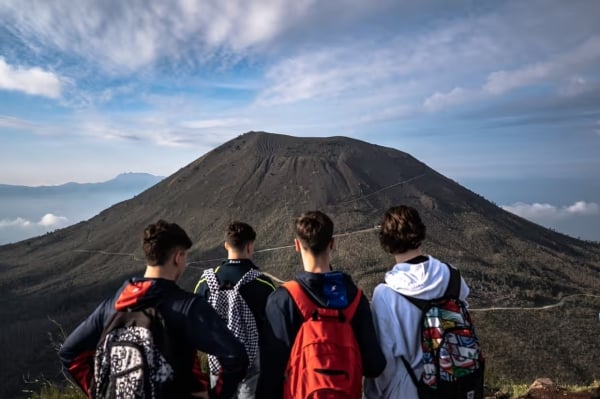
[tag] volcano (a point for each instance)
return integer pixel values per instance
(532, 289)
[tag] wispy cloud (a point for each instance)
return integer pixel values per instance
(544, 212)
(30, 80)
(214, 123)
(16, 123)
(566, 65)
(125, 36)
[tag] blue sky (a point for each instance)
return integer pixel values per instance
(477, 90)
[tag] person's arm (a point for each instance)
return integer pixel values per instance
(464, 291)
(282, 324)
(208, 333)
(201, 288)
(366, 337)
(262, 288)
(77, 352)
(386, 328)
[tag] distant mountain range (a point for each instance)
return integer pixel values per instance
(124, 182)
(29, 211)
(516, 269)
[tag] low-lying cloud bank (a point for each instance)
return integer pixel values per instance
(547, 211)
(12, 230)
(580, 220)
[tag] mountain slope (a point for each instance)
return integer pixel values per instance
(268, 180)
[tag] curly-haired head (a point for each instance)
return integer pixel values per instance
(161, 239)
(401, 230)
(239, 234)
(314, 230)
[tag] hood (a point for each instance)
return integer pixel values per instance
(426, 280)
(332, 289)
(140, 293)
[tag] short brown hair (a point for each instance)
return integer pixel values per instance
(401, 230)
(160, 239)
(239, 234)
(314, 229)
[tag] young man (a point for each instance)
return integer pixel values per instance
(326, 289)
(191, 322)
(397, 320)
(238, 291)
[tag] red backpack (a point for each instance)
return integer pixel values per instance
(325, 361)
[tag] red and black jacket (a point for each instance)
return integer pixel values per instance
(194, 326)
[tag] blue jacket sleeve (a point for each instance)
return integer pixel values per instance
(282, 325)
(372, 356)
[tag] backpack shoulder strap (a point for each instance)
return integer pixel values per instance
(300, 298)
(210, 277)
(453, 289)
(353, 306)
(248, 277)
(307, 306)
(422, 304)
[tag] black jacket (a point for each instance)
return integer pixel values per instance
(254, 293)
(284, 320)
(192, 324)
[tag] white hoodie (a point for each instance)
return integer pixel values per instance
(397, 322)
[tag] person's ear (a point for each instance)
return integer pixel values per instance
(250, 247)
(180, 257)
(226, 246)
(332, 244)
(297, 245)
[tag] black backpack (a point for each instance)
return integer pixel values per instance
(453, 364)
(132, 359)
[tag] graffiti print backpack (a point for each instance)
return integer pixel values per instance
(453, 364)
(131, 360)
(325, 361)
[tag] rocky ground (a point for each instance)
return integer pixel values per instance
(544, 388)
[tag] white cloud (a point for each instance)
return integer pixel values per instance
(545, 212)
(214, 123)
(34, 81)
(583, 208)
(18, 222)
(12, 230)
(49, 220)
(456, 96)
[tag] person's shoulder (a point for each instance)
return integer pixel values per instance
(348, 280)
(265, 282)
(279, 296)
(383, 292)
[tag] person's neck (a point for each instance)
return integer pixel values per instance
(316, 264)
(236, 255)
(408, 255)
(164, 272)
